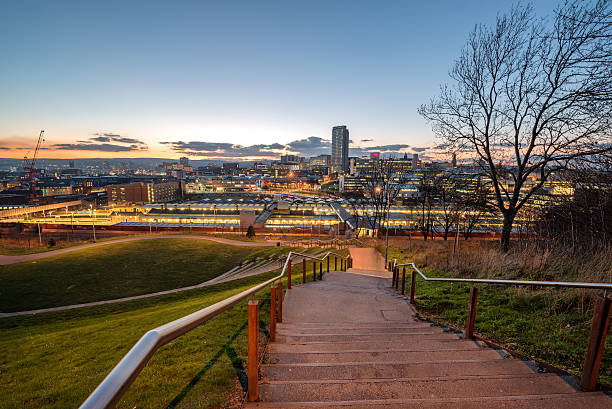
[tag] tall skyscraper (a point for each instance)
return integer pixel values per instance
(340, 147)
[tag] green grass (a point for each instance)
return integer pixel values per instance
(12, 250)
(18, 249)
(547, 324)
(54, 360)
(118, 270)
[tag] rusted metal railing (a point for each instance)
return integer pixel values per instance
(599, 325)
(109, 392)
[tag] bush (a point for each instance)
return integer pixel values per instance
(51, 242)
(250, 232)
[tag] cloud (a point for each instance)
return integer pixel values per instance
(114, 137)
(104, 142)
(387, 148)
(100, 139)
(310, 146)
(102, 147)
(367, 140)
(127, 140)
(4, 148)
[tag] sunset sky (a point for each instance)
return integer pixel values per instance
(225, 79)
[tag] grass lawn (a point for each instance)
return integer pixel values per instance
(550, 325)
(55, 360)
(118, 270)
(17, 249)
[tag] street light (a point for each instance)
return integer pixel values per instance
(93, 222)
(387, 228)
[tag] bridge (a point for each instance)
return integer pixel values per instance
(349, 337)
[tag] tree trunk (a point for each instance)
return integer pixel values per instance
(507, 229)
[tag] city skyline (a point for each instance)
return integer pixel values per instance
(220, 81)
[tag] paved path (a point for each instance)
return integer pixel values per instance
(4, 260)
(367, 259)
(350, 341)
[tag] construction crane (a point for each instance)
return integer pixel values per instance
(29, 166)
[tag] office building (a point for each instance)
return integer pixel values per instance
(139, 192)
(340, 147)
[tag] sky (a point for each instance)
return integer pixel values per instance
(226, 79)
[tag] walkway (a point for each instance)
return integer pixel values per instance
(349, 341)
(4, 260)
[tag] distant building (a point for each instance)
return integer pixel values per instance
(291, 159)
(415, 161)
(260, 166)
(229, 167)
(184, 161)
(143, 192)
(320, 161)
(56, 190)
(340, 147)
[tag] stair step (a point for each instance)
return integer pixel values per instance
(357, 324)
(413, 345)
(383, 356)
(357, 330)
(592, 400)
(418, 388)
(393, 370)
(423, 335)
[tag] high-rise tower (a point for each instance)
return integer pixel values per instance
(340, 147)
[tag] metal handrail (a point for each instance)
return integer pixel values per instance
(564, 284)
(111, 389)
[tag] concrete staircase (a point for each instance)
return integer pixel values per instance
(348, 341)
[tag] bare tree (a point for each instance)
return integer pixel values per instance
(529, 98)
(382, 191)
(475, 206)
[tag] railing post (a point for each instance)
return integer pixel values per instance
(396, 278)
(328, 264)
(279, 294)
(335, 263)
(471, 318)
(304, 270)
(393, 279)
(289, 275)
(314, 271)
(597, 341)
(253, 373)
(412, 285)
(321, 270)
(273, 313)
(403, 280)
